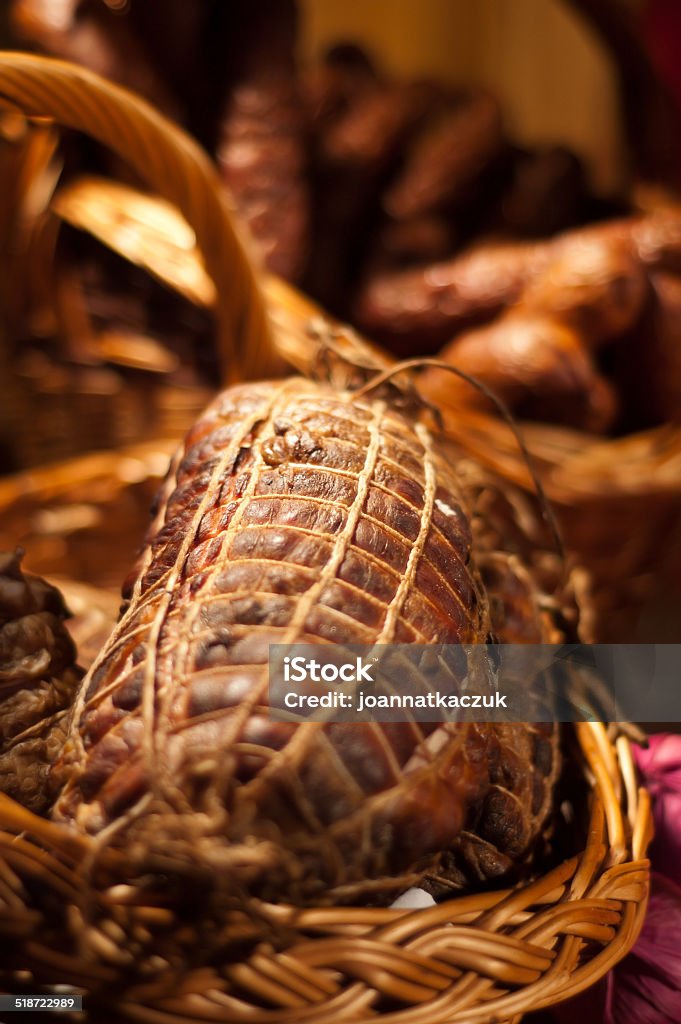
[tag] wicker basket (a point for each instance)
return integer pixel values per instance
(487, 957)
(618, 503)
(72, 398)
(85, 518)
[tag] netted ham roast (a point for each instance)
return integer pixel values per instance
(296, 513)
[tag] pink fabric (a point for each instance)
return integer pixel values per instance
(660, 767)
(645, 988)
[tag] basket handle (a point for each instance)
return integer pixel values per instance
(173, 165)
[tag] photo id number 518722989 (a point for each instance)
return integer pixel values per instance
(64, 1003)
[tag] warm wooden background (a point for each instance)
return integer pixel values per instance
(554, 78)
